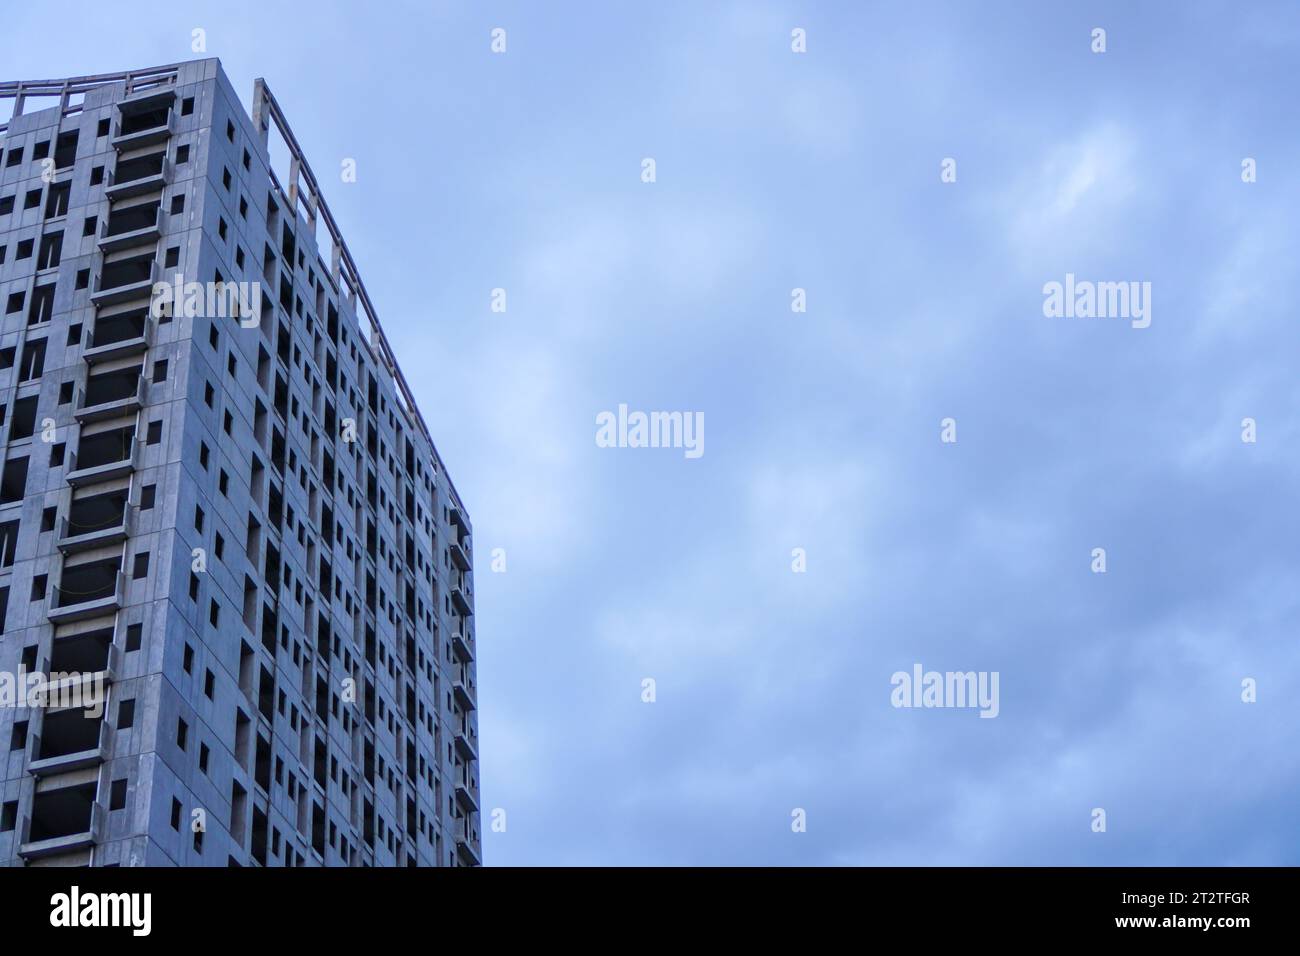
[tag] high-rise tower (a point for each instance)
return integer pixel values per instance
(223, 521)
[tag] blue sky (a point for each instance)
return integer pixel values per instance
(777, 170)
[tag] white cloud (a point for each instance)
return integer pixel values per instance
(1073, 197)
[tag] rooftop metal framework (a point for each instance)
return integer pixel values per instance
(343, 270)
(73, 88)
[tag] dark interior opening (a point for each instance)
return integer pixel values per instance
(127, 271)
(111, 386)
(142, 167)
(61, 813)
(105, 447)
(119, 328)
(93, 581)
(68, 731)
(145, 119)
(97, 513)
(82, 653)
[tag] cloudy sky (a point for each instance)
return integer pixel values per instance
(774, 171)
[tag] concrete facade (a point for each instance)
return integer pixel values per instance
(238, 525)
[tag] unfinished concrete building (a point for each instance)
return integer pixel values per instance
(230, 516)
